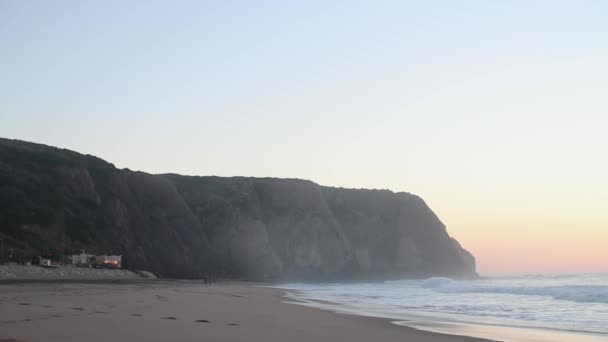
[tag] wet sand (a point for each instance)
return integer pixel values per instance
(181, 311)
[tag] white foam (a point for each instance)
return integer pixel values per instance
(559, 302)
(575, 293)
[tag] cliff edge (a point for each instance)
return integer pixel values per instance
(55, 201)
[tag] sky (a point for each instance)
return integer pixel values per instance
(494, 112)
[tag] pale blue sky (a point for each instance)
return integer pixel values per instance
(487, 109)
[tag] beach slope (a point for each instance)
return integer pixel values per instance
(181, 311)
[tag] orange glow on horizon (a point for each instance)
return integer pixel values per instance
(515, 248)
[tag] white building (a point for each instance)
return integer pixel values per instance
(48, 263)
(82, 259)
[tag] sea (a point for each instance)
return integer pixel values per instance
(528, 308)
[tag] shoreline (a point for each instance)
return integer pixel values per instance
(162, 310)
(142, 309)
(23, 301)
(482, 331)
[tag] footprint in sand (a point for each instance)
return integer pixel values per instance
(233, 324)
(78, 309)
(27, 320)
(24, 304)
(170, 317)
(202, 321)
(101, 312)
(8, 340)
(46, 306)
(136, 315)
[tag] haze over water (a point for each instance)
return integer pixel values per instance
(493, 112)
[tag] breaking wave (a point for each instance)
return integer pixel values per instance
(573, 293)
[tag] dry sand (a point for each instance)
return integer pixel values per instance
(181, 311)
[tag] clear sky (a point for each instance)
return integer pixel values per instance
(495, 112)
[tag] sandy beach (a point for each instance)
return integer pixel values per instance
(180, 311)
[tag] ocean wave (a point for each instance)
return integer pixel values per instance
(573, 293)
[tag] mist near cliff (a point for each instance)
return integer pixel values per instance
(56, 202)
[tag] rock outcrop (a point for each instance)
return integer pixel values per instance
(55, 201)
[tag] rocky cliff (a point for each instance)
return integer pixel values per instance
(55, 202)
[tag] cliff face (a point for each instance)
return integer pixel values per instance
(55, 201)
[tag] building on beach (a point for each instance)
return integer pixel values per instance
(110, 261)
(98, 261)
(83, 259)
(48, 263)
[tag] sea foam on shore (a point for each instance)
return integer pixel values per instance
(558, 305)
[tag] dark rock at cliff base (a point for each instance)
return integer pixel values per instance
(56, 202)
